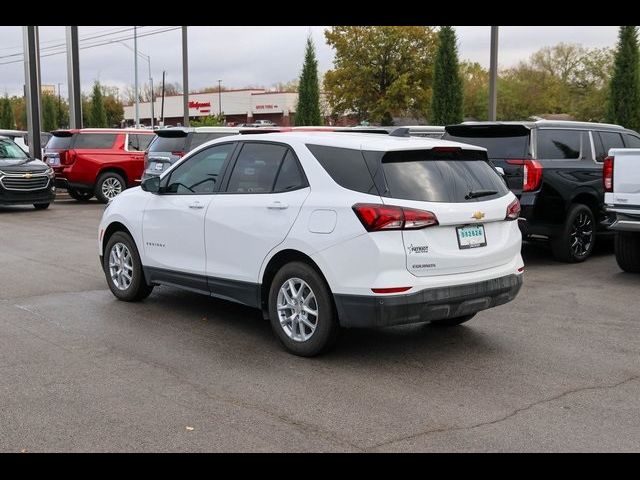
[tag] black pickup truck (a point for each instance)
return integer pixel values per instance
(555, 169)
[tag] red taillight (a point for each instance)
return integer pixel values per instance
(67, 157)
(178, 154)
(390, 290)
(607, 174)
(532, 172)
(387, 217)
(513, 210)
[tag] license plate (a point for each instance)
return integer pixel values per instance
(471, 237)
(53, 160)
(159, 166)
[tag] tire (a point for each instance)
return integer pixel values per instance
(325, 322)
(580, 220)
(80, 195)
(41, 206)
(452, 322)
(137, 288)
(109, 185)
(627, 248)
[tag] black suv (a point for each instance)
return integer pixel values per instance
(555, 169)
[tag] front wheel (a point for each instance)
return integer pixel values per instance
(578, 236)
(627, 248)
(123, 269)
(40, 206)
(301, 310)
(452, 322)
(108, 186)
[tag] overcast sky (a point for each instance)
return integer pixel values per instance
(240, 56)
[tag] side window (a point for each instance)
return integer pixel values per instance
(632, 141)
(94, 141)
(563, 144)
(256, 168)
(144, 141)
(609, 140)
(132, 143)
(290, 177)
(200, 173)
(346, 167)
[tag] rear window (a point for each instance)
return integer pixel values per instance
(416, 175)
(61, 143)
(94, 141)
(168, 144)
(198, 139)
(632, 141)
(502, 147)
(346, 167)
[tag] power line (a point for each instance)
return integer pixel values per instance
(56, 40)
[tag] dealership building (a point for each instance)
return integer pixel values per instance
(239, 106)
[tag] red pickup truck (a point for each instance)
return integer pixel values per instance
(97, 161)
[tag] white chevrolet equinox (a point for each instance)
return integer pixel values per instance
(322, 231)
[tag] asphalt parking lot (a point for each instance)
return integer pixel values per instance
(558, 369)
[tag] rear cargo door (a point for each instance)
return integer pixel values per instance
(469, 200)
(504, 143)
(626, 176)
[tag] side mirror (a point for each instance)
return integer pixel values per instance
(500, 170)
(151, 184)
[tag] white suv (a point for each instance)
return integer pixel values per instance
(321, 231)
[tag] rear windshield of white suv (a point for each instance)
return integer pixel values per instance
(420, 175)
(168, 144)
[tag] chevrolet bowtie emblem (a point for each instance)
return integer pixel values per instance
(27, 175)
(478, 215)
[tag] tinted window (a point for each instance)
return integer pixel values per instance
(290, 177)
(562, 144)
(200, 173)
(138, 143)
(94, 140)
(256, 168)
(411, 176)
(497, 146)
(144, 141)
(632, 141)
(8, 149)
(61, 143)
(346, 166)
(168, 144)
(198, 139)
(610, 140)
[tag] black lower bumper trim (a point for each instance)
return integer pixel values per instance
(427, 305)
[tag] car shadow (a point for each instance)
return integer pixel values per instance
(539, 252)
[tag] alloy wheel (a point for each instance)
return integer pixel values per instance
(120, 266)
(111, 187)
(581, 236)
(297, 309)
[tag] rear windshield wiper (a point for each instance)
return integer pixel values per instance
(479, 193)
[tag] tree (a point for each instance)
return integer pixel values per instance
(624, 94)
(380, 70)
(114, 110)
(475, 81)
(308, 108)
(97, 115)
(49, 112)
(209, 121)
(7, 119)
(447, 98)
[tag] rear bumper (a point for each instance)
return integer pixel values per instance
(626, 219)
(426, 305)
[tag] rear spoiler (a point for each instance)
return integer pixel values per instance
(488, 130)
(62, 133)
(171, 132)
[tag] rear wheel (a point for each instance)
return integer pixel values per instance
(301, 310)
(576, 240)
(452, 322)
(123, 269)
(41, 206)
(80, 195)
(108, 186)
(627, 247)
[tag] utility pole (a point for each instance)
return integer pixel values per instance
(31, 47)
(185, 78)
(493, 75)
(153, 113)
(219, 98)
(73, 78)
(135, 75)
(162, 104)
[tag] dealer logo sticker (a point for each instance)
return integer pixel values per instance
(418, 249)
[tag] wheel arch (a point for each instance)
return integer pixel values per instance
(114, 227)
(113, 169)
(590, 199)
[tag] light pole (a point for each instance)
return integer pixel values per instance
(493, 75)
(135, 76)
(219, 99)
(148, 59)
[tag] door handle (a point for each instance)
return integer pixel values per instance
(196, 205)
(278, 206)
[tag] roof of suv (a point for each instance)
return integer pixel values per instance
(362, 141)
(71, 131)
(548, 123)
(185, 130)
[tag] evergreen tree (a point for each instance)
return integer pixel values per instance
(49, 113)
(623, 106)
(6, 114)
(447, 98)
(97, 116)
(308, 109)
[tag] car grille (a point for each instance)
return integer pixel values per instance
(23, 183)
